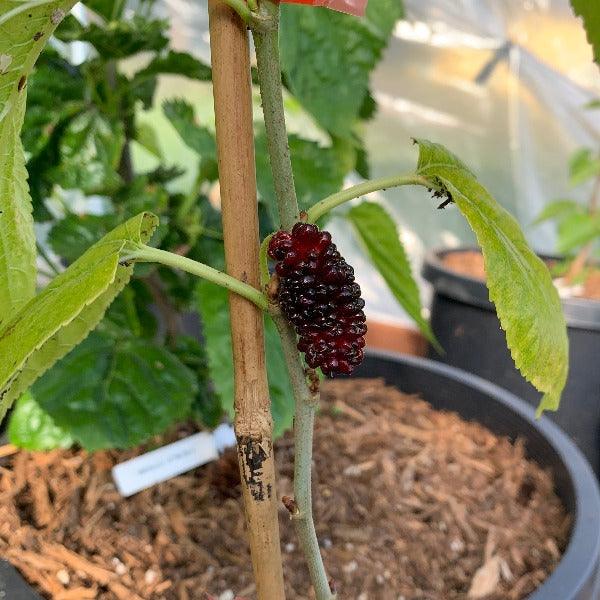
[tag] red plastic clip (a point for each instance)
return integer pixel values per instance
(351, 7)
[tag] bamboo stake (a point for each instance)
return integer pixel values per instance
(253, 425)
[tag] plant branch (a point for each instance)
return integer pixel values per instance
(324, 206)
(266, 43)
(300, 508)
(169, 259)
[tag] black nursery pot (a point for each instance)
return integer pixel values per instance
(577, 577)
(466, 325)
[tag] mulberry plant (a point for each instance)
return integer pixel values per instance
(317, 307)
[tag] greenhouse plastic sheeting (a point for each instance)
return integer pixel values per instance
(502, 84)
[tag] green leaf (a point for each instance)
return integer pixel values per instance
(589, 11)
(24, 29)
(146, 136)
(327, 58)
(120, 39)
(318, 172)
(558, 210)
(592, 104)
(104, 8)
(206, 406)
(90, 150)
(32, 428)
(519, 283)
(132, 390)
(63, 314)
(214, 309)
(378, 234)
(176, 63)
(70, 237)
(576, 230)
(182, 117)
(583, 165)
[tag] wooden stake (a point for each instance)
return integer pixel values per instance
(253, 425)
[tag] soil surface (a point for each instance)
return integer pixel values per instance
(410, 503)
(470, 263)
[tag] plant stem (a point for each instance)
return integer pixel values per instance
(269, 77)
(324, 206)
(266, 43)
(170, 259)
(307, 403)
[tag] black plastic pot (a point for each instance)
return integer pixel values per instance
(577, 576)
(466, 325)
(13, 586)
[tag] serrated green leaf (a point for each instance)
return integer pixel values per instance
(120, 39)
(327, 58)
(200, 139)
(24, 29)
(576, 230)
(70, 237)
(132, 390)
(214, 309)
(318, 172)
(558, 210)
(583, 165)
(519, 283)
(175, 63)
(378, 234)
(90, 149)
(32, 428)
(63, 314)
(589, 11)
(206, 405)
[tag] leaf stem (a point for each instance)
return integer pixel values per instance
(307, 403)
(264, 262)
(241, 8)
(266, 43)
(144, 253)
(324, 206)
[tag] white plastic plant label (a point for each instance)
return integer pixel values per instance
(141, 472)
(351, 7)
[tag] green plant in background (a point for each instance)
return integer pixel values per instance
(578, 225)
(116, 384)
(82, 124)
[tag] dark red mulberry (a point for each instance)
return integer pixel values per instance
(318, 295)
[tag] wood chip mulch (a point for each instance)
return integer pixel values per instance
(410, 504)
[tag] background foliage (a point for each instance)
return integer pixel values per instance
(166, 336)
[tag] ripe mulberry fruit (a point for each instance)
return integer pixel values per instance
(318, 295)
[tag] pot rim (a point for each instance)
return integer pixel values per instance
(580, 313)
(581, 559)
